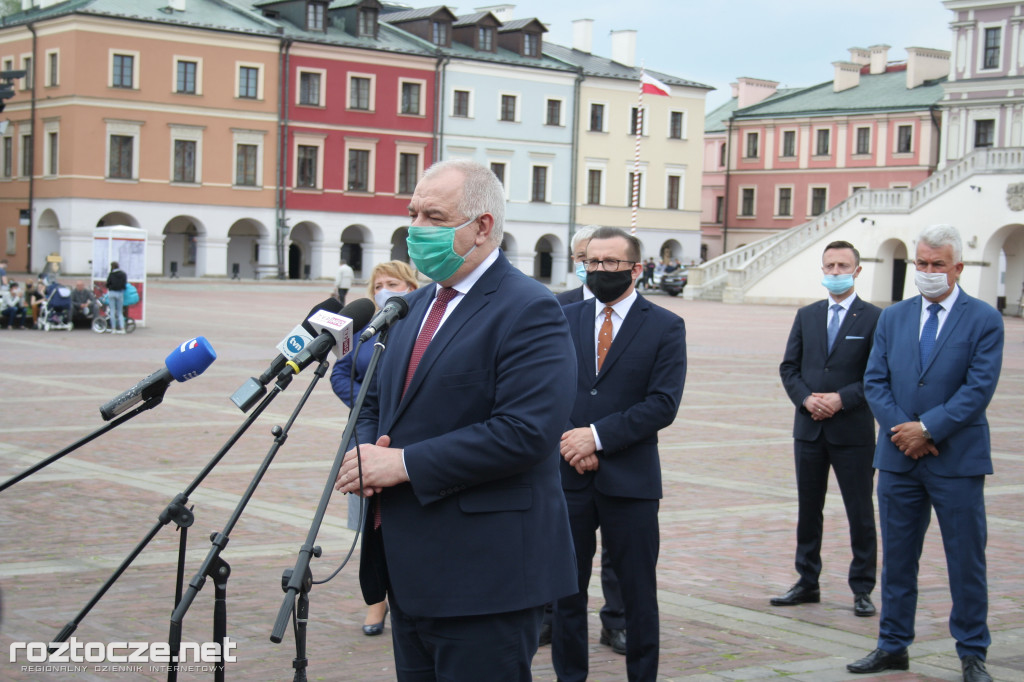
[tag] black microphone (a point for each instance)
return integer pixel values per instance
(336, 334)
(394, 309)
(185, 362)
(249, 393)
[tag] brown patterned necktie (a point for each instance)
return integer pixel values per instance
(604, 337)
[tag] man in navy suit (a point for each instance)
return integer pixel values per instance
(613, 613)
(823, 373)
(469, 536)
(932, 373)
(631, 365)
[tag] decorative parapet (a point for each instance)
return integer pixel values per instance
(740, 269)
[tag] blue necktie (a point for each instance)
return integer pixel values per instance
(929, 332)
(833, 326)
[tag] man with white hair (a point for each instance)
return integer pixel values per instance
(932, 371)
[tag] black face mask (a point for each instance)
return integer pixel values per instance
(608, 286)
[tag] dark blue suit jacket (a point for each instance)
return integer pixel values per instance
(482, 526)
(949, 394)
(636, 394)
(808, 367)
(570, 296)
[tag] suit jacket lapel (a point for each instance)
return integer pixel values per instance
(586, 346)
(952, 318)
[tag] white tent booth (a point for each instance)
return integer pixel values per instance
(127, 246)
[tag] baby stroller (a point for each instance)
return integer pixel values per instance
(104, 320)
(55, 310)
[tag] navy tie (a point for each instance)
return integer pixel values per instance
(833, 326)
(929, 332)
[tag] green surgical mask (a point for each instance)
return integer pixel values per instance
(432, 250)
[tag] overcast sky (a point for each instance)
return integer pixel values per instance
(716, 41)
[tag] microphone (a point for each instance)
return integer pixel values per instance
(298, 338)
(336, 334)
(394, 309)
(187, 361)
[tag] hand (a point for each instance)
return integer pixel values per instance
(591, 463)
(909, 438)
(578, 444)
(823, 405)
(382, 468)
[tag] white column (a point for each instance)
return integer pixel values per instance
(559, 269)
(75, 250)
(211, 256)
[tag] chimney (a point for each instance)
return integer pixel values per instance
(847, 76)
(750, 91)
(860, 56)
(503, 12)
(583, 35)
(624, 47)
(879, 59)
(925, 64)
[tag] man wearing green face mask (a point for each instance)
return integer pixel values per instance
(823, 373)
(469, 533)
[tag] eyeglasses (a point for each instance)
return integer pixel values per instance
(608, 264)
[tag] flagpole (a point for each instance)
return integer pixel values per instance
(635, 203)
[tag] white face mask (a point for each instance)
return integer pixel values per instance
(931, 284)
(382, 296)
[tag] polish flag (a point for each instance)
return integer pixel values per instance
(653, 86)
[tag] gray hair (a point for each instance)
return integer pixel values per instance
(582, 234)
(937, 236)
(481, 192)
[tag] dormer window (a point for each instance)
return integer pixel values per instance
(368, 22)
(531, 45)
(485, 39)
(440, 33)
(316, 14)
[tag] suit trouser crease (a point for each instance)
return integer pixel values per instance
(853, 471)
(905, 501)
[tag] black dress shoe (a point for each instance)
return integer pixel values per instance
(974, 669)
(616, 639)
(375, 629)
(798, 594)
(545, 634)
(862, 605)
(879, 660)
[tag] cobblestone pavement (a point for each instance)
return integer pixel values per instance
(727, 520)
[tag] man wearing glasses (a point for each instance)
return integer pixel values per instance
(631, 365)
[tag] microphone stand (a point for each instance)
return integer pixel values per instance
(148, 404)
(215, 567)
(176, 511)
(297, 581)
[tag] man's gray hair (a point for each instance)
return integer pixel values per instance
(482, 192)
(584, 233)
(937, 236)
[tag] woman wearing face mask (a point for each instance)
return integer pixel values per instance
(393, 278)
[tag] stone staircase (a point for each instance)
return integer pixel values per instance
(729, 276)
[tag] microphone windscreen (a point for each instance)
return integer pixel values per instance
(190, 359)
(360, 311)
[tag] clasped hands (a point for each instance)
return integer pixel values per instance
(579, 449)
(909, 438)
(382, 468)
(823, 405)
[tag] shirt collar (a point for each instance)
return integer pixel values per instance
(621, 308)
(946, 303)
(466, 283)
(845, 303)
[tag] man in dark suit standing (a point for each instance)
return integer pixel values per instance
(631, 365)
(613, 613)
(469, 536)
(931, 375)
(823, 373)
